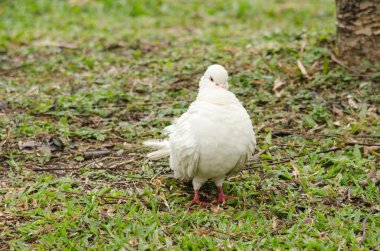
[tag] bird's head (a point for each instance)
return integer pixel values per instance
(215, 76)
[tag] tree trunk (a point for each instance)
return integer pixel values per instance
(358, 30)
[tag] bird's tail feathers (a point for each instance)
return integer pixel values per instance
(162, 146)
(168, 130)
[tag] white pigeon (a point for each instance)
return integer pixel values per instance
(210, 141)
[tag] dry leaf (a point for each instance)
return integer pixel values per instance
(303, 45)
(113, 71)
(28, 145)
(373, 175)
(277, 84)
(352, 102)
(368, 149)
(216, 209)
(279, 94)
(165, 201)
(258, 82)
(296, 173)
(127, 145)
(336, 123)
(157, 183)
(302, 68)
(203, 232)
(274, 222)
(133, 242)
(372, 112)
(337, 111)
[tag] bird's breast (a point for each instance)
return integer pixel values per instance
(223, 133)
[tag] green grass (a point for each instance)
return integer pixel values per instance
(78, 76)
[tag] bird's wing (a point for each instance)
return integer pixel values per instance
(185, 152)
(244, 158)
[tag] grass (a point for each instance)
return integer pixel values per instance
(78, 76)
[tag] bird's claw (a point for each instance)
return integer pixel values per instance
(200, 203)
(223, 199)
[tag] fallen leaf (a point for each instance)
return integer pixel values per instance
(203, 232)
(367, 149)
(258, 82)
(279, 94)
(296, 173)
(302, 68)
(372, 112)
(373, 175)
(303, 45)
(277, 84)
(337, 111)
(157, 183)
(28, 145)
(216, 209)
(352, 102)
(274, 222)
(113, 71)
(133, 242)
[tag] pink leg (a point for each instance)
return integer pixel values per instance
(197, 201)
(223, 198)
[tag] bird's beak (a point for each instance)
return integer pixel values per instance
(224, 86)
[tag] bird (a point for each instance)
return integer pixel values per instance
(212, 140)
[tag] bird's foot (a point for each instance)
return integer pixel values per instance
(200, 203)
(196, 200)
(223, 198)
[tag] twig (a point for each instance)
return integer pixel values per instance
(114, 167)
(360, 144)
(96, 154)
(257, 155)
(282, 133)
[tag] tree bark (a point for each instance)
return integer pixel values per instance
(358, 30)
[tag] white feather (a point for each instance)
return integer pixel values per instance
(213, 139)
(162, 146)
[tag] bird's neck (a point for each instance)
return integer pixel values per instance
(216, 95)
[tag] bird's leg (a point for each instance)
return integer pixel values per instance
(223, 198)
(196, 199)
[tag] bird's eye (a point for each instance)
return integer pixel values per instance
(212, 80)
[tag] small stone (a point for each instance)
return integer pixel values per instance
(363, 183)
(3, 106)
